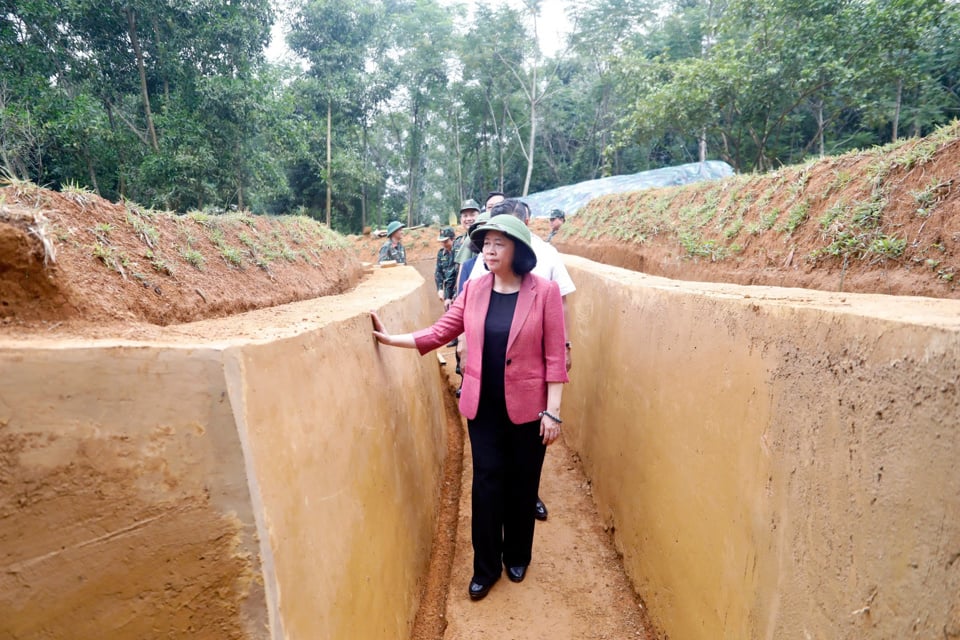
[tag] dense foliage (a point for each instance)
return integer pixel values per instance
(398, 109)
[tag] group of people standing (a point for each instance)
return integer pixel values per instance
(503, 290)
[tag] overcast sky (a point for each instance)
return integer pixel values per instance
(552, 25)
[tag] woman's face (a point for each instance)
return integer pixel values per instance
(498, 251)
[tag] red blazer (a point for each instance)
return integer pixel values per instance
(536, 353)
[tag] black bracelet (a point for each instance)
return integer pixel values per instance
(551, 416)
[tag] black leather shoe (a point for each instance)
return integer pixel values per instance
(516, 574)
(479, 591)
(540, 510)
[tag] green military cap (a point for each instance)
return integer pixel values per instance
(393, 227)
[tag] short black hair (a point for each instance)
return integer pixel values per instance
(512, 207)
(492, 194)
(523, 261)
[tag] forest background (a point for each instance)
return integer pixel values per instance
(399, 109)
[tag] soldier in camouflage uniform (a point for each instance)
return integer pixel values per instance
(468, 213)
(445, 275)
(392, 249)
(557, 218)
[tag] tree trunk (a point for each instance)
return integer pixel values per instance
(329, 159)
(237, 154)
(363, 183)
(820, 137)
(703, 144)
(135, 43)
(532, 142)
(161, 60)
(414, 160)
(91, 170)
(500, 170)
(121, 182)
(456, 140)
(896, 110)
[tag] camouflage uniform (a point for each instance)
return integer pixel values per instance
(556, 214)
(457, 243)
(462, 250)
(390, 252)
(445, 275)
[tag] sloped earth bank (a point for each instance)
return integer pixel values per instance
(883, 221)
(74, 258)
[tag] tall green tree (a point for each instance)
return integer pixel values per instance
(336, 38)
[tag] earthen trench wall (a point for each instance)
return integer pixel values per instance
(773, 464)
(283, 483)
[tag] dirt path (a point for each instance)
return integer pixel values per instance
(575, 588)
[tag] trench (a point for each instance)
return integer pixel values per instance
(754, 462)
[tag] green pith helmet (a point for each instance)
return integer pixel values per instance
(446, 233)
(469, 204)
(509, 226)
(393, 227)
(483, 217)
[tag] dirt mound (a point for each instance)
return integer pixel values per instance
(75, 257)
(880, 221)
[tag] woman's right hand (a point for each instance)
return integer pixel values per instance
(379, 331)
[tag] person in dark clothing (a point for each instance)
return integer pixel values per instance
(557, 218)
(445, 274)
(512, 321)
(392, 250)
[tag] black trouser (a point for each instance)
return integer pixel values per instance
(507, 459)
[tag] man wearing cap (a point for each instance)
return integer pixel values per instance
(392, 249)
(468, 214)
(557, 218)
(464, 251)
(445, 275)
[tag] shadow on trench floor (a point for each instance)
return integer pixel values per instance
(575, 588)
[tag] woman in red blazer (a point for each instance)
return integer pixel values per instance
(512, 385)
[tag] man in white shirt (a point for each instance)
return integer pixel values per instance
(549, 264)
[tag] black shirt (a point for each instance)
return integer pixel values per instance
(496, 332)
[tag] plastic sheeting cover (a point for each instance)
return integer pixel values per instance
(572, 197)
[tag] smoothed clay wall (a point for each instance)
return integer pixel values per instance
(775, 463)
(279, 480)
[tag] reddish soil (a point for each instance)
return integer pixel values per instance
(78, 260)
(834, 225)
